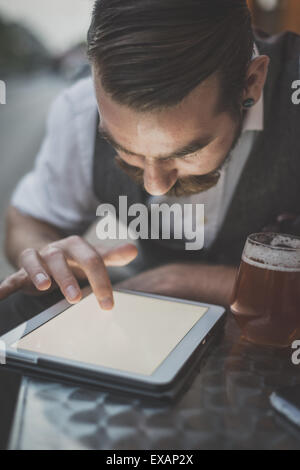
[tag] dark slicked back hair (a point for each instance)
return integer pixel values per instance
(150, 54)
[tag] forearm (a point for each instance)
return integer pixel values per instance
(26, 232)
(193, 281)
(208, 283)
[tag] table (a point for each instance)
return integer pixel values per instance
(226, 407)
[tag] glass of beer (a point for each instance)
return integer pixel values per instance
(266, 297)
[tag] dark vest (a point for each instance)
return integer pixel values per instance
(270, 181)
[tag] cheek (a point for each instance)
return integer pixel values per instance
(208, 159)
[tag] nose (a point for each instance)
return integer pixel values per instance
(158, 179)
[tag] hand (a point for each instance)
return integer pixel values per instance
(62, 263)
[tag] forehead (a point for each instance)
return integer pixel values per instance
(194, 116)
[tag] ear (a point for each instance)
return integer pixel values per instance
(256, 77)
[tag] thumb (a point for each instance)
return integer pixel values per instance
(119, 256)
(13, 283)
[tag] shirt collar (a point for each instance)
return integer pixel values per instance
(254, 119)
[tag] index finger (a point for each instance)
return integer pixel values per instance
(93, 265)
(119, 256)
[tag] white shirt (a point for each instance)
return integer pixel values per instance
(59, 190)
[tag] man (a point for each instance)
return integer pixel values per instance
(190, 104)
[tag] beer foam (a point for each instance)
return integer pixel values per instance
(282, 254)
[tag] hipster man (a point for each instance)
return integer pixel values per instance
(185, 102)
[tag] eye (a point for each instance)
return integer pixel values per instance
(131, 159)
(124, 154)
(169, 159)
(192, 156)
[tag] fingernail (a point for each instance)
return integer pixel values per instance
(72, 292)
(41, 278)
(107, 303)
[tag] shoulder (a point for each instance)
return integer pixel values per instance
(284, 46)
(76, 101)
(81, 96)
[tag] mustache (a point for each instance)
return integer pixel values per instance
(186, 186)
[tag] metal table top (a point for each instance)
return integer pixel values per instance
(226, 407)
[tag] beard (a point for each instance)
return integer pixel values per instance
(188, 185)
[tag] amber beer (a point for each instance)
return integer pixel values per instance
(266, 298)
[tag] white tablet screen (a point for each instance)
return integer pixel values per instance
(136, 336)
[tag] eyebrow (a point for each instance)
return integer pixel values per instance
(188, 149)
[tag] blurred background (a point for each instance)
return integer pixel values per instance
(274, 16)
(42, 50)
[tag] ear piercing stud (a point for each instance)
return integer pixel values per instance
(248, 103)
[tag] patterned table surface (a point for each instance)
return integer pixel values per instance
(226, 407)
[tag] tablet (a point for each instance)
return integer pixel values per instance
(143, 343)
